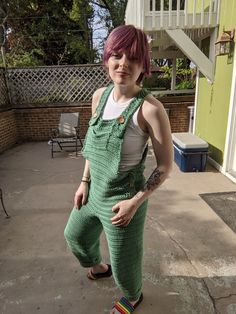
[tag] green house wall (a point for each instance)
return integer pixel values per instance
(213, 99)
(198, 5)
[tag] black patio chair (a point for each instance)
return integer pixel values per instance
(67, 134)
(1, 198)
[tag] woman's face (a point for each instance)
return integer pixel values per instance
(122, 69)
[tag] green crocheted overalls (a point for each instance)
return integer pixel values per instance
(108, 186)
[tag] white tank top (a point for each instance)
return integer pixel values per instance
(135, 139)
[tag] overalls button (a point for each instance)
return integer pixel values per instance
(95, 115)
(121, 119)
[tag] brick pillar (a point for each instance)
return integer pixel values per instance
(8, 130)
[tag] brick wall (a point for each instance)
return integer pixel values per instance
(178, 111)
(179, 117)
(35, 124)
(8, 130)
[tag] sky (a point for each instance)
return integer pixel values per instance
(99, 31)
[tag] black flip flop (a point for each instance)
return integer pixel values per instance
(139, 300)
(96, 276)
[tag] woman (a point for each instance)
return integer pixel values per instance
(113, 193)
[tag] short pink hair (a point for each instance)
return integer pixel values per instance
(134, 41)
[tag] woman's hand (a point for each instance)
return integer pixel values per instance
(125, 212)
(81, 195)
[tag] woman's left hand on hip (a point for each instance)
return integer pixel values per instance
(125, 211)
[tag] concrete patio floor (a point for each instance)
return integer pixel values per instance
(189, 258)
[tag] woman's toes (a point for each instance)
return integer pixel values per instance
(114, 311)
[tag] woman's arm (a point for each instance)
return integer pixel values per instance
(156, 122)
(81, 194)
(95, 100)
(86, 173)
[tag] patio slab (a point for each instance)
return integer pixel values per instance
(189, 256)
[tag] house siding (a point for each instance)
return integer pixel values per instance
(198, 5)
(213, 99)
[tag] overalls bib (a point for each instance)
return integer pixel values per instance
(108, 186)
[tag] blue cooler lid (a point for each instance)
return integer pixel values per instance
(187, 141)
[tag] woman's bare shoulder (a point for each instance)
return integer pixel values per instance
(152, 105)
(96, 97)
(98, 92)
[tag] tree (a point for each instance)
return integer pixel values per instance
(48, 32)
(108, 15)
(111, 12)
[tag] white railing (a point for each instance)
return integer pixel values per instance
(135, 12)
(172, 14)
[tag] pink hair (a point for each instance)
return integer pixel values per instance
(132, 40)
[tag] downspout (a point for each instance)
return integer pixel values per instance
(173, 78)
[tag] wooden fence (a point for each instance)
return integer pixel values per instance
(52, 84)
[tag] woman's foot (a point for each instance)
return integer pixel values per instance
(99, 271)
(126, 306)
(99, 268)
(116, 311)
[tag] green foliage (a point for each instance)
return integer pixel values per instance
(48, 32)
(56, 31)
(186, 85)
(24, 58)
(157, 82)
(185, 77)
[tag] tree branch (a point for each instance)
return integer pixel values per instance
(106, 5)
(99, 5)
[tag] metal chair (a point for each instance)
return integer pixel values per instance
(1, 198)
(67, 134)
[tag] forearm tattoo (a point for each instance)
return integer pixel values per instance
(153, 181)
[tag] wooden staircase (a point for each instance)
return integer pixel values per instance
(177, 28)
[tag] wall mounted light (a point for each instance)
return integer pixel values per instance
(225, 43)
